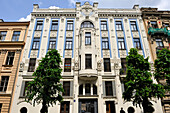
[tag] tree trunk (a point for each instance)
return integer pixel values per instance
(44, 108)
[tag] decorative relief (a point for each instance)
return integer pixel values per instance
(34, 53)
(106, 53)
(99, 67)
(53, 34)
(76, 66)
(42, 52)
(18, 51)
(120, 34)
(21, 67)
(4, 51)
(114, 53)
(104, 34)
(122, 53)
(140, 52)
(68, 53)
(37, 34)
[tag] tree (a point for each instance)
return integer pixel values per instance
(139, 86)
(46, 87)
(162, 67)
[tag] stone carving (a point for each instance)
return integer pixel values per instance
(99, 67)
(76, 66)
(21, 67)
(4, 51)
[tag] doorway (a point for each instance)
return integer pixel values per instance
(88, 106)
(110, 107)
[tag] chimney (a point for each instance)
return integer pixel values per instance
(136, 7)
(35, 7)
(1, 20)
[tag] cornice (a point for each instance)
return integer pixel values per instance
(14, 23)
(11, 43)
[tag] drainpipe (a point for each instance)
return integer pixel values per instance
(16, 75)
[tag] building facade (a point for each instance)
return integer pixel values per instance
(93, 43)
(157, 24)
(12, 40)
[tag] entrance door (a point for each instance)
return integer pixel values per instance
(110, 107)
(65, 107)
(88, 106)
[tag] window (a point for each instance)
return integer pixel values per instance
(32, 63)
(133, 26)
(88, 89)
(137, 43)
(25, 92)
(68, 43)
(65, 107)
(119, 26)
(105, 43)
(107, 65)
(87, 38)
(52, 43)
(70, 25)
(54, 25)
(39, 25)
(88, 61)
(94, 89)
(87, 24)
(10, 58)
(123, 63)
(103, 25)
(109, 90)
(2, 35)
(36, 43)
(67, 65)
(121, 43)
(0, 107)
(154, 24)
(159, 42)
(4, 83)
(81, 89)
(66, 87)
(16, 36)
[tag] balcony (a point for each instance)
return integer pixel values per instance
(159, 31)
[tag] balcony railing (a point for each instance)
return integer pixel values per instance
(159, 31)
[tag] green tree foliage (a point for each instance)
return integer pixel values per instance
(162, 67)
(46, 87)
(139, 86)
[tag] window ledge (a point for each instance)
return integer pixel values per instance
(38, 30)
(53, 30)
(68, 49)
(69, 30)
(4, 94)
(122, 49)
(68, 97)
(109, 97)
(88, 95)
(7, 65)
(104, 30)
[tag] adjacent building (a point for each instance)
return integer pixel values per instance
(93, 43)
(157, 25)
(12, 40)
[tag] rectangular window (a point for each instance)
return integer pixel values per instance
(103, 25)
(88, 89)
(88, 61)
(16, 35)
(159, 42)
(65, 107)
(54, 25)
(107, 67)
(66, 87)
(88, 38)
(123, 63)
(52, 43)
(133, 26)
(68, 43)
(36, 43)
(4, 83)
(32, 63)
(70, 25)
(10, 58)
(137, 43)
(0, 107)
(67, 65)
(109, 89)
(119, 26)
(3, 35)
(39, 25)
(105, 43)
(121, 44)
(25, 91)
(154, 24)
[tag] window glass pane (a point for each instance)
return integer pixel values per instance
(87, 38)
(66, 87)
(103, 25)
(67, 65)
(32, 63)
(36, 43)
(39, 25)
(68, 43)
(10, 58)
(3, 35)
(133, 26)
(107, 65)
(109, 90)
(88, 61)
(54, 25)
(16, 35)
(70, 25)
(105, 43)
(88, 89)
(4, 83)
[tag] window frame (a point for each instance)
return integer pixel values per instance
(87, 24)
(103, 25)
(69, 25)
(66, 87)
(137, 43)
(54, 25)
(3, 35)
(9, 58)
(39, 25)
(105, 43)
(36, 42)
(88, 61)
(52, 43)
(159, 42)
(87, 37)
(121, 43)
(109, 88)
(69, 43)
(107, 64)
(31, 67)
(16, 35)
(133, 26)
(119, 26)
(67, 65)
(4, 83)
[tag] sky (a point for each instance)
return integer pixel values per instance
(19, 10)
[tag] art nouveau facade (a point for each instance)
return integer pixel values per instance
(93, 44)
(12, 40)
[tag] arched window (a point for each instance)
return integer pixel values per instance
(81, 89)
(94, 89)
(131, 110)
(87, 24)
(23, 110)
